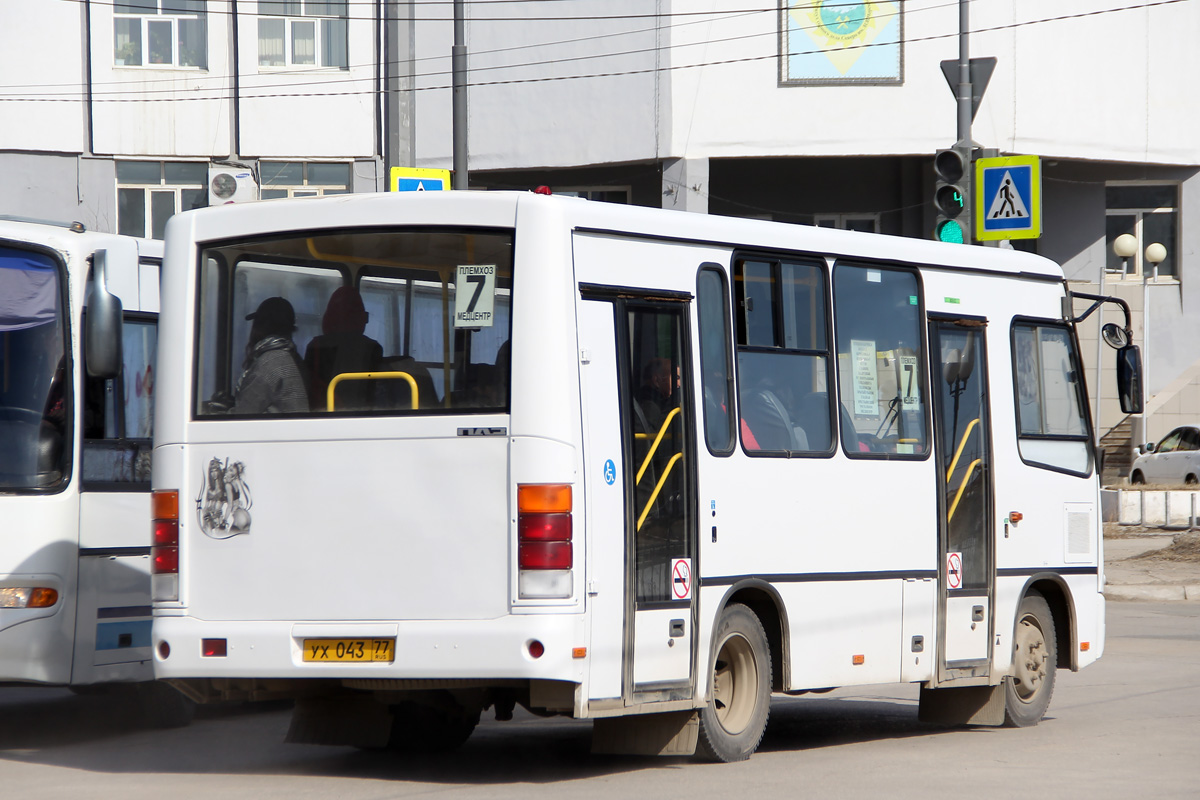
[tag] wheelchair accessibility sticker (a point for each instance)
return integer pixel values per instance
(610, 472)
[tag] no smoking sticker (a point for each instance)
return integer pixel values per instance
(681, 578)
(954, 570)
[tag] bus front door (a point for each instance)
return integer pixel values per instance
(966, 574)
(637, 421)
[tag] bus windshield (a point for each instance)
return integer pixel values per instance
(363, 322)
(33, 369)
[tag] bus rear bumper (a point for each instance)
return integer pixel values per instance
(472, 650)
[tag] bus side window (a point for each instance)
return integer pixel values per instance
(1052, 428)
(782, 357)
(118, 413)
(880, 371)
(716, 374)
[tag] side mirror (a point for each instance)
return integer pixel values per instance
(1129, 379)
(102, 324)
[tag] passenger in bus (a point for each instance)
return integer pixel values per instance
(659, 392)
(342, 348)
(274, 379)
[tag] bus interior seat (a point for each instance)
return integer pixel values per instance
(396, 393)
(770, 422)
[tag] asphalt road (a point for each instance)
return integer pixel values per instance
(1125, 727)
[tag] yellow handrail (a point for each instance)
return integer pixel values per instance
(962, 487)
(961, 445)
(661, 432)
(658, 488)
(369, 376)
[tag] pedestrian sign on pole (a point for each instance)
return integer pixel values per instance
(412, 179)
(1008, 198)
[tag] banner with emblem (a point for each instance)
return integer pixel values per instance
(833, 41)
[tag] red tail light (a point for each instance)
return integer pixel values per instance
(545, 553)
(165, 560)
(164, 555)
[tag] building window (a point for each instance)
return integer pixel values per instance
(295, 179)
(849, 222)
(605, 194)
(302, 33)
(160, 33)
(151, 192)
(1150, 212)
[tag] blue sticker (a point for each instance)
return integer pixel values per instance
(610, 472)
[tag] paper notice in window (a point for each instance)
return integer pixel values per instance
(866, 379)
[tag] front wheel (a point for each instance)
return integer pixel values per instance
(1027, 690)
(733, 722)
(1137, 477)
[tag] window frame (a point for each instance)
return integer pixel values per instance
(1139, 270)
(727, 354)
(290, 21)
(162, 187)
(223, 362)
(776, 259)
(305, 188)
(923, 358)
(121, 440)
(172, 18)
(1088, 436)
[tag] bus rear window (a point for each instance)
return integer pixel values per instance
(355, 323)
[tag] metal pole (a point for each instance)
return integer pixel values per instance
(459, 68)
(1099, 351)
(963, 95)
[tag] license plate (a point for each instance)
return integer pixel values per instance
(358, 650)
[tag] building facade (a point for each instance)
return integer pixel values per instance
(825, 113)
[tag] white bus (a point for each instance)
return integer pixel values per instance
(614, 463)
(75, 461)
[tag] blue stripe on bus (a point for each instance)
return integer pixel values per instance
(121, 635)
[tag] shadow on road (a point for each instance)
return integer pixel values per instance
(97, 734)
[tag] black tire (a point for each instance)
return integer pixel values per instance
(1030, 684)
(733, 722)
(1137, 477)
(1191, 480)
(439, 726)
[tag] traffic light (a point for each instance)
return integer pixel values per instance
(952, 195)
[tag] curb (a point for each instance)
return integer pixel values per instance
(1154, 592)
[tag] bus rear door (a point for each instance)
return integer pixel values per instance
(638, 414)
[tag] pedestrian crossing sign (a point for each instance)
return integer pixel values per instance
(412, 179)
(1008, 198)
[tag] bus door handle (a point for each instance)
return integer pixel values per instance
(676, 628)
(977, 614)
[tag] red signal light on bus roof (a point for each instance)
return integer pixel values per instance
(542, 190)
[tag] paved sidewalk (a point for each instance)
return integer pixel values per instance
(1130, 578)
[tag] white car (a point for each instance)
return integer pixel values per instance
(1175, 459)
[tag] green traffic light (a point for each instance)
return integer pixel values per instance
(949, 231)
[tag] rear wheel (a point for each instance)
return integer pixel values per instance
(1027, 690)
(733, 722)
(1191, 480)
(1137, 477)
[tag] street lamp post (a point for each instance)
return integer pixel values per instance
(1155, 255)
(1124, 246)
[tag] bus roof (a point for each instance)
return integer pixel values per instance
(501, 209)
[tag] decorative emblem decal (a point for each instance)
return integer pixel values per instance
(223, 504)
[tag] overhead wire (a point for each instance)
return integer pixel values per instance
(207, 94)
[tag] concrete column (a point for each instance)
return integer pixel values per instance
(685, 184)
